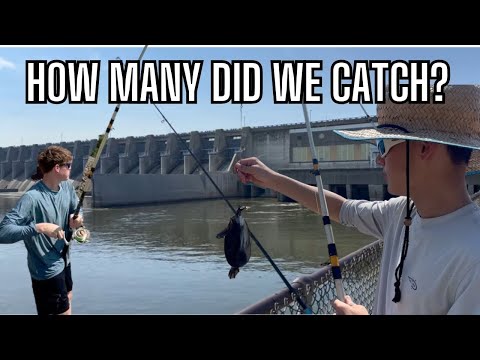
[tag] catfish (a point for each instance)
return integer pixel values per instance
(237, 245)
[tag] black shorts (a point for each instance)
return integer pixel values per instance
(51, 296)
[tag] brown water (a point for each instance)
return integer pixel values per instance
(166, 259)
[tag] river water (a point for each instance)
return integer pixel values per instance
(166, 259)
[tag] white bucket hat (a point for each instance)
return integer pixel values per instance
(454, 122)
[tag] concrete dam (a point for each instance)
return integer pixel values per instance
(159, 168)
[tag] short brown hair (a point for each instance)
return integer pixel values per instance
(49, 157)
(459, 155)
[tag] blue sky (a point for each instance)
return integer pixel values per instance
(27, 124)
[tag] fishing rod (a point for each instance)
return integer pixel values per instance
(332, 249)
(81, 234)
(368, 116)
(306, 309)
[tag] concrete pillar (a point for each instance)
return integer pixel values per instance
(217, 157)
(254, 191)
(375, 192)
(128, 160)
(246, 144)
(150, 158)
(18, 167)
(3, 155)
(30, 165)
(470, 189)
(6, 165)
(109, 160)
(195, 145)
(79, 150)
(172, 155)
(349, 191)
(474, 181)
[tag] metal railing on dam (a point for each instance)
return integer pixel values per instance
(360, 272)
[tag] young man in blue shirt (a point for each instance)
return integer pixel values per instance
(42, 219)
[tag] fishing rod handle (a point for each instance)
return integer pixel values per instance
(339, 289)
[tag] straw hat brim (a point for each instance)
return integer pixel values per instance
(446, 138)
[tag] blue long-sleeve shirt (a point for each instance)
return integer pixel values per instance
(40, 205)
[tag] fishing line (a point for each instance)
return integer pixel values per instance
(332, 250)
(368, 117)
(81, 234)
(306, 309)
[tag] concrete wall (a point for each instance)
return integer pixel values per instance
(120, 190)
(273, 148)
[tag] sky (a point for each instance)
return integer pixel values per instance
(24, 123)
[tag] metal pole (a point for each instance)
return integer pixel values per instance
(332, 250)
(241, 115)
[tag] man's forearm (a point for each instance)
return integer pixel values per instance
(11, 233)
(307, 195)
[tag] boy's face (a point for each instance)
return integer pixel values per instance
(394, 168)
(63, 170)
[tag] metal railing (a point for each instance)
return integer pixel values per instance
(360, 272)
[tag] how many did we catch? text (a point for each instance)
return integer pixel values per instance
(238, 82)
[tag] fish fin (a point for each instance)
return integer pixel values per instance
(240, 209)
(222, 233)
(233, 272)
